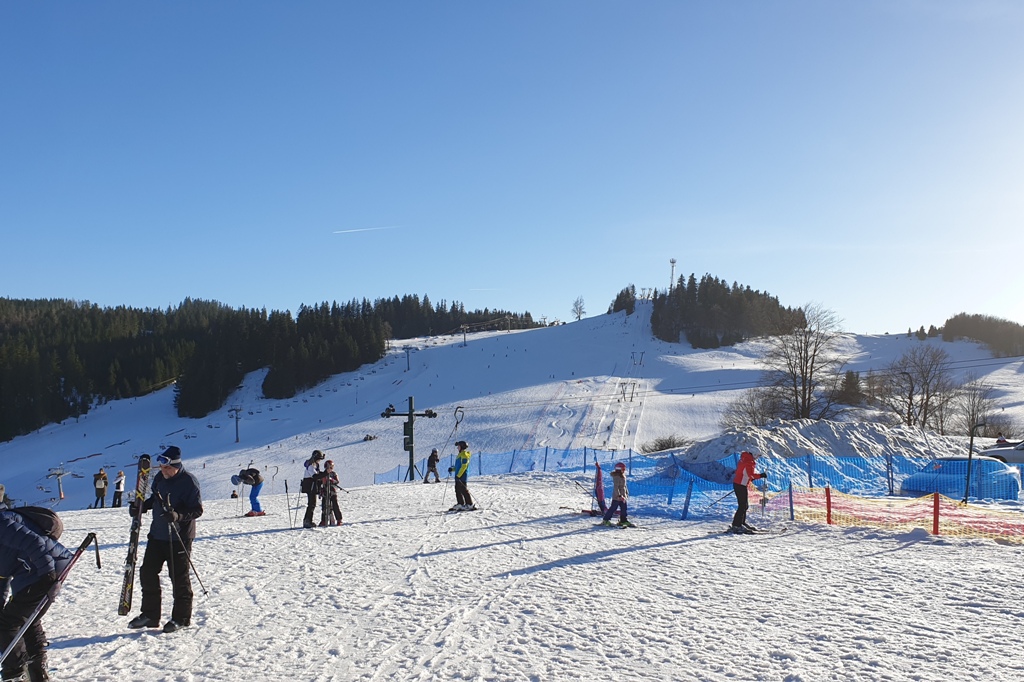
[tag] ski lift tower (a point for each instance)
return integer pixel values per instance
(409, 445)
(672, 279)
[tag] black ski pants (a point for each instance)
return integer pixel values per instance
(12, 617)
(117, 498)
(740, 517)
(159, 552)
(307, 520)
(330, 509)
(462, 495)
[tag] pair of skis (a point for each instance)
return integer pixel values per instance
(124, 607)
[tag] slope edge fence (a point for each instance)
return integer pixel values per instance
(842, 491)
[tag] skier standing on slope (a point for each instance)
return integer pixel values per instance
(464, 502)
(118, 489)
(29, 564)
(740, 480)
(328, 484)
(432, 467)
(99, 481)
(254, 479)
(620, 497)
(176, 503)
(310, 487)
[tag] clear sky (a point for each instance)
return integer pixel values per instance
(515, 155)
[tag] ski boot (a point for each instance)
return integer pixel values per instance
(626, 524)
(605, 523)
(37, 669)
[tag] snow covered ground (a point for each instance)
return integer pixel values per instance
(527, 590)
(524, 589)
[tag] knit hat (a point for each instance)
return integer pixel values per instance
(621, 466)
(170, 457)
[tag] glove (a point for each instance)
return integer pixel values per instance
(172, 516)
(54, 585)
(133, 508)
(451, 470)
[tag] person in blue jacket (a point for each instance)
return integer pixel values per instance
(176, 503)
(30, 562)
(464, 502)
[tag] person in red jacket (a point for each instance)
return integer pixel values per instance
(740, 480)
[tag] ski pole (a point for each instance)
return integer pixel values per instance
(47, 600)
(288, 501)
(184, 549)
(720, 498)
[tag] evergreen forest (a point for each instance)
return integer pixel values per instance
(711, 313)
(59, 358)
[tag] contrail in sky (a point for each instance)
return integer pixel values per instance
(367, 229)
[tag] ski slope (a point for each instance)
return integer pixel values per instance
(525, 589)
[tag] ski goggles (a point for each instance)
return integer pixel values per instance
(164, 461)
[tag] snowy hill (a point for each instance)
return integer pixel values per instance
(526, 588)
(604, 382)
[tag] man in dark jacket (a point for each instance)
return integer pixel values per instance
(176, 504)
(30, 562)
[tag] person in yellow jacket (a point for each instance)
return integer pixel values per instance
(464, 502)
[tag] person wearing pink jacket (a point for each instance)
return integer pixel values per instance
(740, 480)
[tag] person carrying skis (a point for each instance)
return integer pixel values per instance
(176, 503)
(30, 562)
(118, 489)
(740, 482)
(328, 484)
(310, 487)
(620, 497)
(432, 467)
(464, 502)
(99, 481)
(254, 479)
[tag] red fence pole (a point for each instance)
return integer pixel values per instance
(828, 505)
(935, 514)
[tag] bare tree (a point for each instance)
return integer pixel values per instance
(918, 387)
(578, 311)
(974, 405)
(755, 407)
(805, 367)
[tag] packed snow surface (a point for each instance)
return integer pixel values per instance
(525, 589)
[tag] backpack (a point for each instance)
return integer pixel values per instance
(43, 518)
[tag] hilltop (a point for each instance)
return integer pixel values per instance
(604, 382)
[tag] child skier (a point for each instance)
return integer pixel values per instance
(328, 480)
(432, 467)
(254, 479)
(620, 495)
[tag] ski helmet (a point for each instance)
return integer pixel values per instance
(235, 480)
(620, 466)
(329, 463)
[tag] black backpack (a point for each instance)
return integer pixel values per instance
(43, 518)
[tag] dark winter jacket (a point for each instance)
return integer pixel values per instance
(251, 476)
(26, 555)
(180, 493)
(327, 481)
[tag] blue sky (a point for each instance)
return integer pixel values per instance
(515, 155)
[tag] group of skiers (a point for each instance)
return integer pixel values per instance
(31, 559)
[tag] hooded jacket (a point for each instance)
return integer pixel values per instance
(26, 555)
(745, 471)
